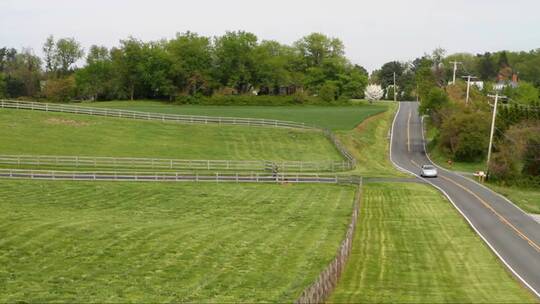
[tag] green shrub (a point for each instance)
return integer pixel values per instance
(464, 135)
(299, 98)
(60, 89)
(328, 92)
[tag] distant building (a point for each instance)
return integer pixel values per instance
(478, 84)
(503, 83)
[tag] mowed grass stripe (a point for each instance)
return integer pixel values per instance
(331, 117)
(42, 133)
(412, 246)
(146, 242)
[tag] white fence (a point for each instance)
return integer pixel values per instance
(349, 164)
(173, 164)
(176, 177)
(51, 107)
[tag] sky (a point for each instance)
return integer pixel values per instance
(374, 32)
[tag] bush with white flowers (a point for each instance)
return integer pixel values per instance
(374, 92)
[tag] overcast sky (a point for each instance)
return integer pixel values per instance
(374, 32)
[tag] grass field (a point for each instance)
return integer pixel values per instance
(412, 246)
(526, 198)
(41, 133)
(370, 145)
(332, 117)
(147, 242)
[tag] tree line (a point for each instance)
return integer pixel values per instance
(490, 68)
(189, 65)
(461, 129)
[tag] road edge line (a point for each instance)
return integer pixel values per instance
(468, 178)
(536, 293)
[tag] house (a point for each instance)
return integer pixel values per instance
(503, 83)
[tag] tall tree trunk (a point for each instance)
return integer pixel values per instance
(132, 91)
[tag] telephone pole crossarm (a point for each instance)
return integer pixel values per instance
(455, 63)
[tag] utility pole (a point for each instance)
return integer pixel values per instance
(496, 96)
(395, 88)
(468, 87)
(455, 70)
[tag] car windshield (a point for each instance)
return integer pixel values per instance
(428, 167)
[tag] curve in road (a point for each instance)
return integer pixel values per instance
(510, 233)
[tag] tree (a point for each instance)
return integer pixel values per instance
(126, 61)
(386, 73)
(374, 92)
(66, 53)
(95, 80)
(60, 89)
(487, 68)
(234, 60)
(464, 135)
(154, 70)
(191, 57)
(524, 93)
(328, 91)
(354, 83)
(434, 101)
(49, 51)
(531, 159)
(21, 72)
(2, 86)
(274, 69)
(316, 47)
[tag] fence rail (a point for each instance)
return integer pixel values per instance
(174, 164)
(176, 176)
(327, 281)
(196, 119)
(190, 119)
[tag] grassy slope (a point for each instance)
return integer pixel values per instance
(411, 246)
(336, 118)
(370, 145)
(146, 242)
(27, 132)
(526, 198)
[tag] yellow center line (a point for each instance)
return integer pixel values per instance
(409, 131)
(501, 218)
(415, 163)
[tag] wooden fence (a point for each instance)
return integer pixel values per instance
(176, 176)
(174, 164)
(191, 119)
(327, 281)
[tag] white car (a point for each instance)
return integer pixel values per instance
(428, 171)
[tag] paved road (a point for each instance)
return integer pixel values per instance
(512, 235)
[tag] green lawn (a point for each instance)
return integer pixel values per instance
(370, 145)
(41, 133)
(412, 246)
(332, 117)
(97, 242)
